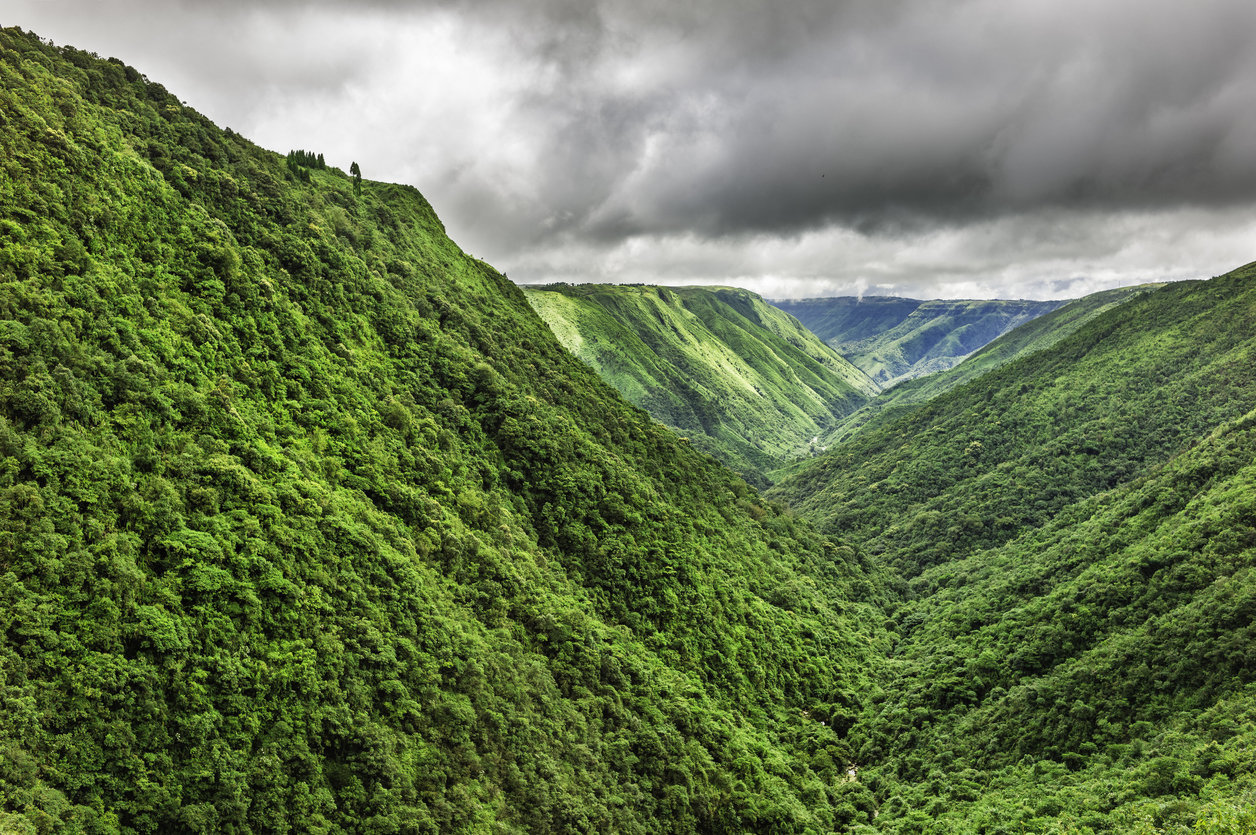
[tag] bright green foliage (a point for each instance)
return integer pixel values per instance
(308, 523)
(893, 339)
(741, 379)
(1102, 666)
(1075, 537)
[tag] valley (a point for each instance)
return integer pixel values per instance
(310, 521)
(740, 379)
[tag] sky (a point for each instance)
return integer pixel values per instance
(797, 148)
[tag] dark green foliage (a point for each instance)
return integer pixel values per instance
(739, 378)
(300, 163)
(307, 523)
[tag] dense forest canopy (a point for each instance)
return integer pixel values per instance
(308, 523)
(1072, 535)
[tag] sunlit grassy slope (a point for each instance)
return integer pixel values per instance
(738, 377)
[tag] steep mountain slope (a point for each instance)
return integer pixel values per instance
(1102, 668)
(1077, 525)
(307, 523)
(894, 339)
(741, 379)
(1035, 335)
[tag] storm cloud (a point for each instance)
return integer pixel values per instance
(936, 149)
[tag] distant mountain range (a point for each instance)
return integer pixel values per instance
(894, 339)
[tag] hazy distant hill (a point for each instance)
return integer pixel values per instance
(740, 378)
(1035, 335)
(894, 339)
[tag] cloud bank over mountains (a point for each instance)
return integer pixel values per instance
(925, 148)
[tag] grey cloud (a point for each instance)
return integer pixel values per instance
(1131, 116)
(862, 116)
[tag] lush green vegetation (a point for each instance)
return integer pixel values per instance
(893, 339)
(973, 467)
(1036, 335)
(741, 379)
(308, 523)
(1072, 536)
(1096, 674)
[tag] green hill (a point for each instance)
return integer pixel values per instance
(972, 467)
(1073, 534)
(743, 380)
(1098, 672)
(308, 523)
(893, 339)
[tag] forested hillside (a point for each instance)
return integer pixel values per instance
(974, 466)
(893, 339)
(308, 523)
(1098, 674)
(1074, 536)
(742, 380)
